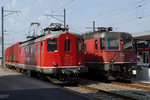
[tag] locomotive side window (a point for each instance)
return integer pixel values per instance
(103, 43)
(26, 50)
(67, 45)
(127, 44)
(37, 48)
(21, 51)
(95, 44)
(85, 47)
(52, 45)
(31, 50)
(79, 45)
(113, 43)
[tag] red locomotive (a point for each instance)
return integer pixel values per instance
(109, 54)
(54, 53)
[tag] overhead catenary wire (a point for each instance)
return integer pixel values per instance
(113, 12)
(116, 12)
(128, 20)
(75, 30)
(63, 6)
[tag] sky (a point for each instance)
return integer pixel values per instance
(131, 16)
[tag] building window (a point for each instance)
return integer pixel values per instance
(95, 44)
(67, 45)
(52, 45)
(37, 48)
(80, 45)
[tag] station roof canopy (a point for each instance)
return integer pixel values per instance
(144, 38)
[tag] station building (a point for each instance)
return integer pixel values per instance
(142, 48)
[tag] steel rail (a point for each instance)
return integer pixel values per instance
(105, 92)
(131, 86)
(140, 83)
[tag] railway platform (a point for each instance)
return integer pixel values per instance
(15, 86)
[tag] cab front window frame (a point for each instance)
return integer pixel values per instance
(52, 45)
(111, 46)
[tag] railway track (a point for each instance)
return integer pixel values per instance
(98, 92)
(134, 84)
(106, 93)
(140, 83)
(94, 93)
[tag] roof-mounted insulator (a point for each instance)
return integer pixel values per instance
(56, 27)
(104, 29)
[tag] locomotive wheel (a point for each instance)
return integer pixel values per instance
(61, 77)
(27, 72)
(34, 74)
(18, 70)
(41, 76)
(71, 78)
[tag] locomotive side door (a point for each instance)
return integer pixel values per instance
(41, 53)
(96, 50)
(67, 50)
(37, 54)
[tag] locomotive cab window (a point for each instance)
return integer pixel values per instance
(67, 45)
(80, 45)
(127, 44)
(113, 43)
(52, 45)
(103, 43)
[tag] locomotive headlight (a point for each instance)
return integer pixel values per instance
(112, 60)
(67, 38)
(79, 63)
(55, 64)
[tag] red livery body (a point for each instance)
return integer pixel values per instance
(7, 54)
(52, 53)
(12, 53)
